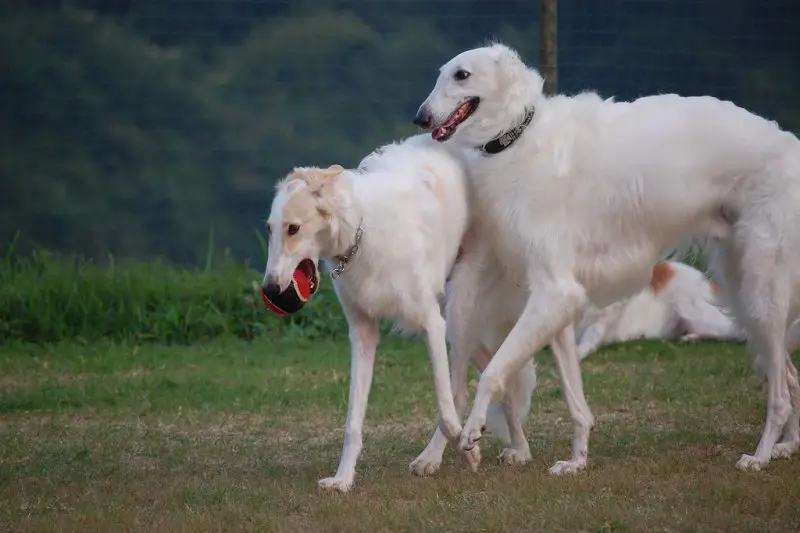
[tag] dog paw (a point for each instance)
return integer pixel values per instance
(785, 449)
(751, 462)
(513, 456)
(470, 437)
(471, 458)
(690, 337)
(561, 468)
(335, 484)
(425, 464)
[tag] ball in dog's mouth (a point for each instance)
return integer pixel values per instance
(305, 282)
(462, 113)
(311, 271)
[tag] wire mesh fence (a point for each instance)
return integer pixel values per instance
(747, 52)
(146, 128)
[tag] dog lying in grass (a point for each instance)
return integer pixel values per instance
(679, 303)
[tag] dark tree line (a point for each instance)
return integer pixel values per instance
(134, 127)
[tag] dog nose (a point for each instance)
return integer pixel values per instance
(271, 283)
(423, 118)
(272, 288)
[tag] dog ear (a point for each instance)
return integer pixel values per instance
(333, 171)
(504, 56)
(325, 180)
(319, 182)
(319, 179)
(510, 65)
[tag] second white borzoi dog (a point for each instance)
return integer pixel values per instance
(679, 303)
(390, 232)
(580, 196)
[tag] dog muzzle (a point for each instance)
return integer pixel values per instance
(305, 282)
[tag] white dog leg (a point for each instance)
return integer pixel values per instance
(779, 402)
(435, 330)
(430, 460)
(763, 302)
(582, 419)
(520, 451)
(551, 307)
(363, 343)
(503, 419)
(790, 444)
(778, 413)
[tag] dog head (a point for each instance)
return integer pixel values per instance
(299, 222)
(479, 94)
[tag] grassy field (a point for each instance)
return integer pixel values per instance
(230, 435)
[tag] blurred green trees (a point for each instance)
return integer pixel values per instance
(135, 127)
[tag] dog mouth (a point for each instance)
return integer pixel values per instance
(462, 113)
(310, 270)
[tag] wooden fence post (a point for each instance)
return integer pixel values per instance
(548, 44)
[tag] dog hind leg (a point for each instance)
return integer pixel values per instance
(790, 443)
(566, 357)
(435, 338)
(462, 323)
(430, 460)
(515, 405)
(762, 300)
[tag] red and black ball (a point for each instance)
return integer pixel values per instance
(305, 282)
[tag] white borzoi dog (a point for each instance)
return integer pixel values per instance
(679, 303)
(580, 196)
(390, 232)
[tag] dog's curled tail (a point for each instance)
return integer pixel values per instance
(523, 387)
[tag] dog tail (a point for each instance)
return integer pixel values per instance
(524, 385)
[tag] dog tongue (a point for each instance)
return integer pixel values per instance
(439, 132)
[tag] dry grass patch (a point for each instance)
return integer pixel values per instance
(236, 442)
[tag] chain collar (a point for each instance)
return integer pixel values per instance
(347, 256)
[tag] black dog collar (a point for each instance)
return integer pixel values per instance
(507, 139)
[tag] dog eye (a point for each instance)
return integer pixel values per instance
(461, 75)
(292, 229)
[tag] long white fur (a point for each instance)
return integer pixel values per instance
(412, 203)
(581, 207)
(684, 308)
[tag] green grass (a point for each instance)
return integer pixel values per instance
(44, 298)
(229, 435)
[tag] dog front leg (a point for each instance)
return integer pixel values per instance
(551, 307)
(363, 343)
(582, 419)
